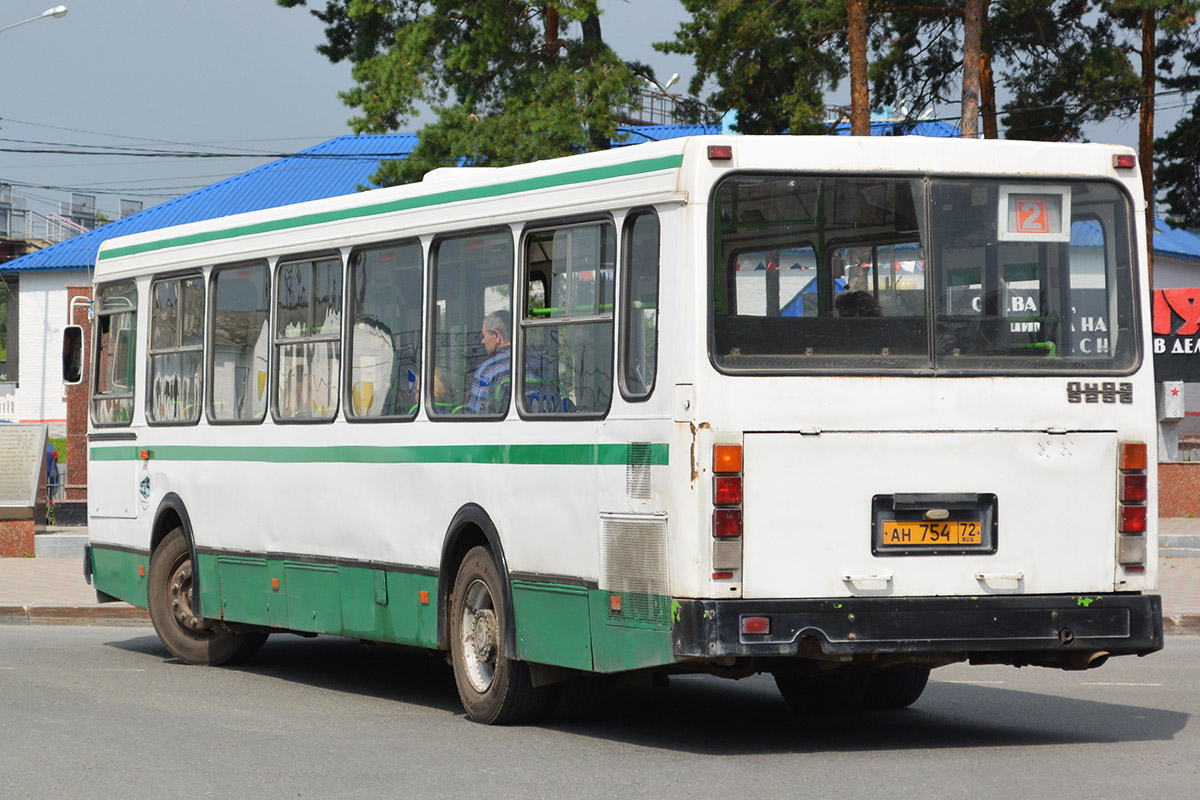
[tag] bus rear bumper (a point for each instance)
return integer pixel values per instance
(1030, 629)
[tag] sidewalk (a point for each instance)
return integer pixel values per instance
(52, 591)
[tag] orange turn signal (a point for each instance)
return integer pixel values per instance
(1133, 456)
(727, 459)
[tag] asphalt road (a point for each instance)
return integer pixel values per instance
(104, 712)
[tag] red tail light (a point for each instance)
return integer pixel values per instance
(1133, 519)
(727, 523)
(1133, 488)
(727, 490)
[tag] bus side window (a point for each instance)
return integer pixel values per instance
(176, 350)
(471, 288)
(308, 321)
(240, 343)
(385, 332)
(567, 321)
(116, 334)
(639, 306)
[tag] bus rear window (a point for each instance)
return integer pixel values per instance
(898, 274)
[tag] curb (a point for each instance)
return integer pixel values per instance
(85, 614)
(1181, 624)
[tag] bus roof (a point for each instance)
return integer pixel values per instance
(647, 173)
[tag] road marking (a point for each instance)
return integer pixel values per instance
(1120, 684)
(99, 669)
(977, 683)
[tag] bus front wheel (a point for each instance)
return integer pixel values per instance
(191, 639)
(494, 689)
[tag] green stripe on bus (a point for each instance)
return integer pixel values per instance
(406, 204)
(556, 454)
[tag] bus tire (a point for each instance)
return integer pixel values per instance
(191, 639)
(494, 689)
(838, 691)
(579, 699)
(896, 687)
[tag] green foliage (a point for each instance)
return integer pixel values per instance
(1177, 171)
(505, 90)
(1066, 68)
(772, 60)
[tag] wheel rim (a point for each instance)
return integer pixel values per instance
(479, 636)
(179, 593)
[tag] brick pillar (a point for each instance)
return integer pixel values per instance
(77, 400)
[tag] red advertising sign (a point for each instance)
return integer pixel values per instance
(1176, 325)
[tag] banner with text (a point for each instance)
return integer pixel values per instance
(1177, 335)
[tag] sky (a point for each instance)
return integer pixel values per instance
(213, 76)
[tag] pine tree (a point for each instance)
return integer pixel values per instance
(503, 77)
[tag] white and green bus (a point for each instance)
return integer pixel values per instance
(841, 410)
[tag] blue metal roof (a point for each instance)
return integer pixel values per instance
(637, 134)
(332, 168)
(935, 128)
(1175, 242)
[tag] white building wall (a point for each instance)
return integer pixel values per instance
(43, 315)
(1171, 272)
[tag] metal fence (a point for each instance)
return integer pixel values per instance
(21, 223)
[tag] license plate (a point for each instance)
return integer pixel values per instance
(918, 533)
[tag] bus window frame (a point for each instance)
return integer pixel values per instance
(348, 325)
(95, 354)
(932, 268)
(519, 320)
(210, 343)
(313, 258)
(429, 368)
(623, 317)
(176, 277)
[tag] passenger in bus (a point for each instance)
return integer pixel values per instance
(497, 341)
(857, 304)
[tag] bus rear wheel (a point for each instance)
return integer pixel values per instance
(838, 691)
(191, 639)
(896, 687)
(494, 689)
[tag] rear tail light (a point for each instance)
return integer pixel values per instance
(1133, 488)
(1133, 492)
(727, 511)
(727, 490)
(756, 626)
(727, 523)
(1133, 519)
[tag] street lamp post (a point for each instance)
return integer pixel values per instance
(58, 12)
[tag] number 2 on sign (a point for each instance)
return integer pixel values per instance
(1032, 216)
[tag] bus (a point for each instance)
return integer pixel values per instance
(837, 410)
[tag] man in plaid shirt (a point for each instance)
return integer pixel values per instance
(497, 341)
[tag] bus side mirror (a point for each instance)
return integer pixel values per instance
(72, 355)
